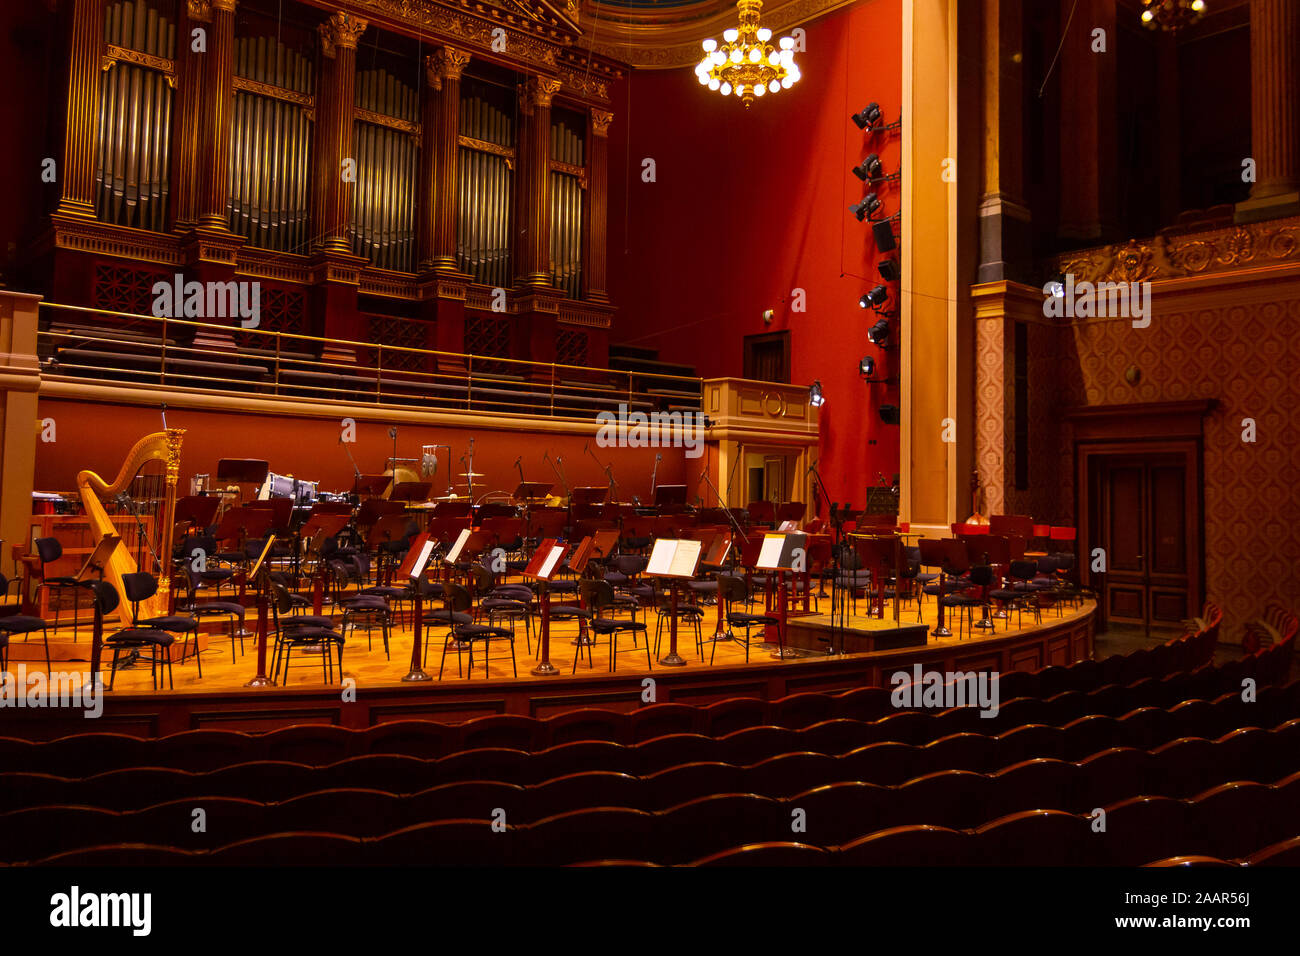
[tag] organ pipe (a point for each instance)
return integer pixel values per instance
(383, 220)
(269, 144)
(567, 155)
(484, 181)
(135, 104)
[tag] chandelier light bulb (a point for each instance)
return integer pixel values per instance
(740, 90)
(736, 55)
(773, 58)
(787, 43)
(726, 89)
(710, 45)
(718, 58)
(704, 77)
(764, 34)
(787, 83)
(730, 35)
(714, 84)
(755, 54)
(773, 86)
(760, 89)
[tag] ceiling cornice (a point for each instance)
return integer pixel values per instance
(671, 39)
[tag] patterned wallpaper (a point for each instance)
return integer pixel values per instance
(1244, 351)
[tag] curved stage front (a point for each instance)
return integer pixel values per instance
(220, 701)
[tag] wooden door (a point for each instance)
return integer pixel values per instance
(1141, 516)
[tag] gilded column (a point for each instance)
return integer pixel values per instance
(438, 172)
(81, 123)
(533, 218)
(595, 254)
(339, 35)
(218, 94)
(186, 117)
(1274, 99)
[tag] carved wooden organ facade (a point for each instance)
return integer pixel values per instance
(431, 171)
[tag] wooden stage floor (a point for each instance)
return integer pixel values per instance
(370, 668)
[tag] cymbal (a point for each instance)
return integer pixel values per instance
(470, 474)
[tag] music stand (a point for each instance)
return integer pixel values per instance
(781, 552)
(670, 498)
(882, 554)
(533, 490)
(196, 511)
(260, 679)
(412, 568)
(243, 471)
(371, 485)
(411, 491)
(546, 561)
(674, 560)
(98, 559)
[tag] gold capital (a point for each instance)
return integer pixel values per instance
(540, 89)
(342, 30)
(600, 120)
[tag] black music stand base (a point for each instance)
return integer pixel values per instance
(673, 660)
(545, 669)
(941, 632)
(416, 675)
(259, 682)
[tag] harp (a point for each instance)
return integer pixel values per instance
(141, 489)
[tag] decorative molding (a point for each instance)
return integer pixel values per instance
(483, 146)
(580, 84)
(115, 53)
(600, 120)
(585, 314)
(341, 31)
(540, 90)
(577, 172)
(447, 64)
(122, 242)
(391, 122)
(388, 284)
(304, 100)
(1189, 254)
(199, 11)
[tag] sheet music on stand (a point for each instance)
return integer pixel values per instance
(453, 553)
(546, 560)
(674, 558)
(270, 540)
(417, 557)
(778, 551)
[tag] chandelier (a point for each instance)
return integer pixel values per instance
(1171, 14)
(745, 64)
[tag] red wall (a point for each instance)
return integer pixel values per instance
(97, 437)
(750, 204)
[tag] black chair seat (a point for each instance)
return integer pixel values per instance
(65, 582)
(311, 635)
(504, 604)
(171, 622)
(750, 619)
(927, 577)
(616, 577)
(703, 587)
(215, 574)
(642, 590)
(217, 607)
(471, 632)
(569, 610)
(1007, 594)
(366, 602)
(564, 585)
(386, 591)
(683, 610)
(606, 625)
(447, 617)
(958, 600)
(21, 623)
(298, 621)
(141, 637)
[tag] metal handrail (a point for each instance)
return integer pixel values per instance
(523, 387)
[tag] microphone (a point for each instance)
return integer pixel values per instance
(518, 460)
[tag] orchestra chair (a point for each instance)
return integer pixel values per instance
(203, 609)
(941, 553)
(905, 585)
(140, 586)
(50, 550)
(133, 640)
(211, 575)
(852, 577)
(981, 576)
(913, 555)
(463, 632)
(732, 588)
(598, 596)
(20, 624)
(361, 611)
(691, 613)
(291, 632)
(505, 603)
(1017, 591)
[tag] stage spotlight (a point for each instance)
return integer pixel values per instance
(868, 118)
(869, 168)
(889, 414)
(884, 236)
(1056, 285)
(815, 396)
(876, 296)
(865, 208)
(889, 270)
(879, 333)
(866, 366)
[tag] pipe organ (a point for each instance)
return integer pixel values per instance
(135, 114)
(270, 143)
(385, 137)
(568, 180)
(488, 124)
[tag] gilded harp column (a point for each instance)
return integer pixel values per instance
(85, 27)
(214, 129)
(339, 35)
(595, 253)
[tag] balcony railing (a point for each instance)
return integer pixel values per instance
(97, 345)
